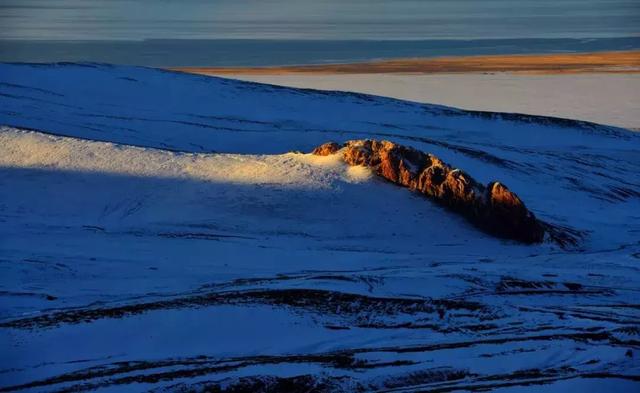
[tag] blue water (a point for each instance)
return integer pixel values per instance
(176, 53)
(270, 32)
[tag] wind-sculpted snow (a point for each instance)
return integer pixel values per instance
(276, 272)
(134, 258)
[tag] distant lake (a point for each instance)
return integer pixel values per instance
(272, 32)
(177, 53)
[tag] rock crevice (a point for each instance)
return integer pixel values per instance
(492, 207)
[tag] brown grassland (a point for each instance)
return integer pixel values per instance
(567, 63)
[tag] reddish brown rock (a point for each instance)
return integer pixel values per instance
(326, 149)
(509, 216)
(395, 163)
(492, 208)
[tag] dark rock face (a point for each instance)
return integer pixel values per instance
(508, 216)
(492, 208)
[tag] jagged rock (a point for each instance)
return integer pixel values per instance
(492, 208)
(326, 149)
(509, 216)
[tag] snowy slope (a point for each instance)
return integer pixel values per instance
(147, 261)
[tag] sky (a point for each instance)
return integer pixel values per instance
(133, 20)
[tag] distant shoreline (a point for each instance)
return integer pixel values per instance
(561, 63)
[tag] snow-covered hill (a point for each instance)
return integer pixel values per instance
(135, 257)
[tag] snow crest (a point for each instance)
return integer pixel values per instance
(28, 149)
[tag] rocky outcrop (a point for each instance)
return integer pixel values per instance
(492, 208)
(327, 149)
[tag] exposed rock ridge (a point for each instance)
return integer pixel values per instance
(492, 208)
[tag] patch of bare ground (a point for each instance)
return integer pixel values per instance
(567, 63)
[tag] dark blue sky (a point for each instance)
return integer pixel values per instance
(317, 19)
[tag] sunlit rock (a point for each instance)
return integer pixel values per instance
(492, 208)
